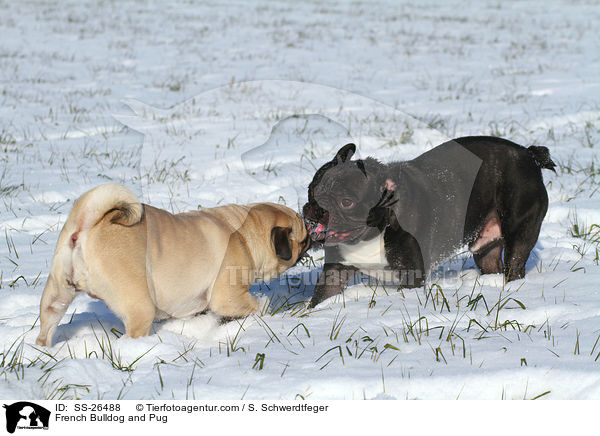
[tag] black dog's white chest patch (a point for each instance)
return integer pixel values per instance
(366, 254)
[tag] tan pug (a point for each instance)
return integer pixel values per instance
(146, 263)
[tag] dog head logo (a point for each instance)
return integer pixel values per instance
(26, 415)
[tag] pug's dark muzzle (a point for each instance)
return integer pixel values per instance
(316, 231)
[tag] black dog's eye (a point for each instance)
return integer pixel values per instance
(346, 203)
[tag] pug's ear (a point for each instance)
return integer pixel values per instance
(345, 153)
(280, 236)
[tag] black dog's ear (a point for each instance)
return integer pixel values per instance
(281, 242)
(345, 153)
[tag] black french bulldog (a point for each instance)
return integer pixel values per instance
(405, 218)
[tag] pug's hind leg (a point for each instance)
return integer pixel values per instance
(137, 310)
(56, 299)
(138, 321)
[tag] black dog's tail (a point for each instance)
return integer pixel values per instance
(541, 155)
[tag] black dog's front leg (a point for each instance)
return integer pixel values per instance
(403, 254)
(332, 281)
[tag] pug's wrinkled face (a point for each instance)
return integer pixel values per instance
(290, 242)
(347, 200)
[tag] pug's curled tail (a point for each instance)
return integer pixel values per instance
(92, 206)
(541, 155)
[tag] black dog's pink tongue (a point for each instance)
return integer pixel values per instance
(316, 231)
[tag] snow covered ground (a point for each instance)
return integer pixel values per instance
(195, 105)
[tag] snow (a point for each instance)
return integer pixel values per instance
(196, 105)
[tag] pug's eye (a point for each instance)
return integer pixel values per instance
(346, 203)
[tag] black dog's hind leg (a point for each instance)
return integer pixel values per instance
(519, 241)
(516, 253)
(489, 259)
(332, 281)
